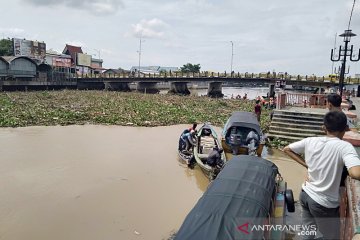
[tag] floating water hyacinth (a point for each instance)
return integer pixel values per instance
(19, 109)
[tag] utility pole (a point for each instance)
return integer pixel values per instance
(139, 55)
(332, 66)
(98, 51)
(232, 57)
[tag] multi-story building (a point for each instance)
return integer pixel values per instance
(60, 65)
(82, 63)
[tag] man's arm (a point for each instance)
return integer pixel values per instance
(295, 156)
(354, 172)
(192, 140)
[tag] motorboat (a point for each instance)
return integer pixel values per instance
(206, 141)
(242, 135)
(247, 194)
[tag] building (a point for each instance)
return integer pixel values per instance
(96, 66)
(153, 69)
(113, 71)
(169, 69)
(82, 63)
(4, 66)
(60, 65)
(12, 67)
(28, 48)
(72, 51)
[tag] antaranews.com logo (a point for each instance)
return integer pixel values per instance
(301, 230)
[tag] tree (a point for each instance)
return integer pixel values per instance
(190, 68)
(6, 47)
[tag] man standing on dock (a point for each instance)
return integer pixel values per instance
(334, 104)
(325, 158)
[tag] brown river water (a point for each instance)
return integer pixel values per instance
(101, 182)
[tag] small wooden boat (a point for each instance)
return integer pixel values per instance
(206, 141)
(242, 135)
(248, 192)
(185, 156)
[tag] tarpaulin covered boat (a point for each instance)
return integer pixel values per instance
(246, 195)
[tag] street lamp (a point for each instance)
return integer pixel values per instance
(344, 53)
(232, 57)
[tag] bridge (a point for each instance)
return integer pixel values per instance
(177, 81)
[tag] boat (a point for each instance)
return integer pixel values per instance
(185, 156)
(247, 195)
(206, 141)
(242, 135)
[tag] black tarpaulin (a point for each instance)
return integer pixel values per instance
(243, 119)
(240, 195)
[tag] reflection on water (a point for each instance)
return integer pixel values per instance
(99, 182)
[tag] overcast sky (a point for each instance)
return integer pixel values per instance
(281, 35)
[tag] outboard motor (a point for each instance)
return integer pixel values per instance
(235, 141)
(252, 141)
(206, 131)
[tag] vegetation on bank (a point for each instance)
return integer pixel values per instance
(6, 47)
(46, 108)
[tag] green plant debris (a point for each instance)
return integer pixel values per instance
(47, 108)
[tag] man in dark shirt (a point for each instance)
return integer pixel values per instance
(214, 158)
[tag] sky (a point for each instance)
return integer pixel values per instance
(279, 35)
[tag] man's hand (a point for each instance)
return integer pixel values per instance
(295, 156)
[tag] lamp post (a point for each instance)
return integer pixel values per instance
(344, 52)
(232, 57)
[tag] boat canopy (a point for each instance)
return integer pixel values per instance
(238, 199)
(243, 119)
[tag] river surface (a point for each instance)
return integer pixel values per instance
(101, 182)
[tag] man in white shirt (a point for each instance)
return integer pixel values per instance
(325, 158)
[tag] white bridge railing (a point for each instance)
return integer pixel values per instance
(302, 100)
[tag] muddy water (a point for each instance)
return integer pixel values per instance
(99, 182)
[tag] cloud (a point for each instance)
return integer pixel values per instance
(98, 7)
(12, 31)
(153, 28)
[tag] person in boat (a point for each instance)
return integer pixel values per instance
(182, 142)
(214, 158)
(334, 104)
(325, 158)
(189, 140)
(193, 127)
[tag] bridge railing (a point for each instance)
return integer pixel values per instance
(272, 76)
(302, 100)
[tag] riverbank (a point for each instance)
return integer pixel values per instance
(69, 107)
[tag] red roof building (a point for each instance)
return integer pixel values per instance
(72, 51)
